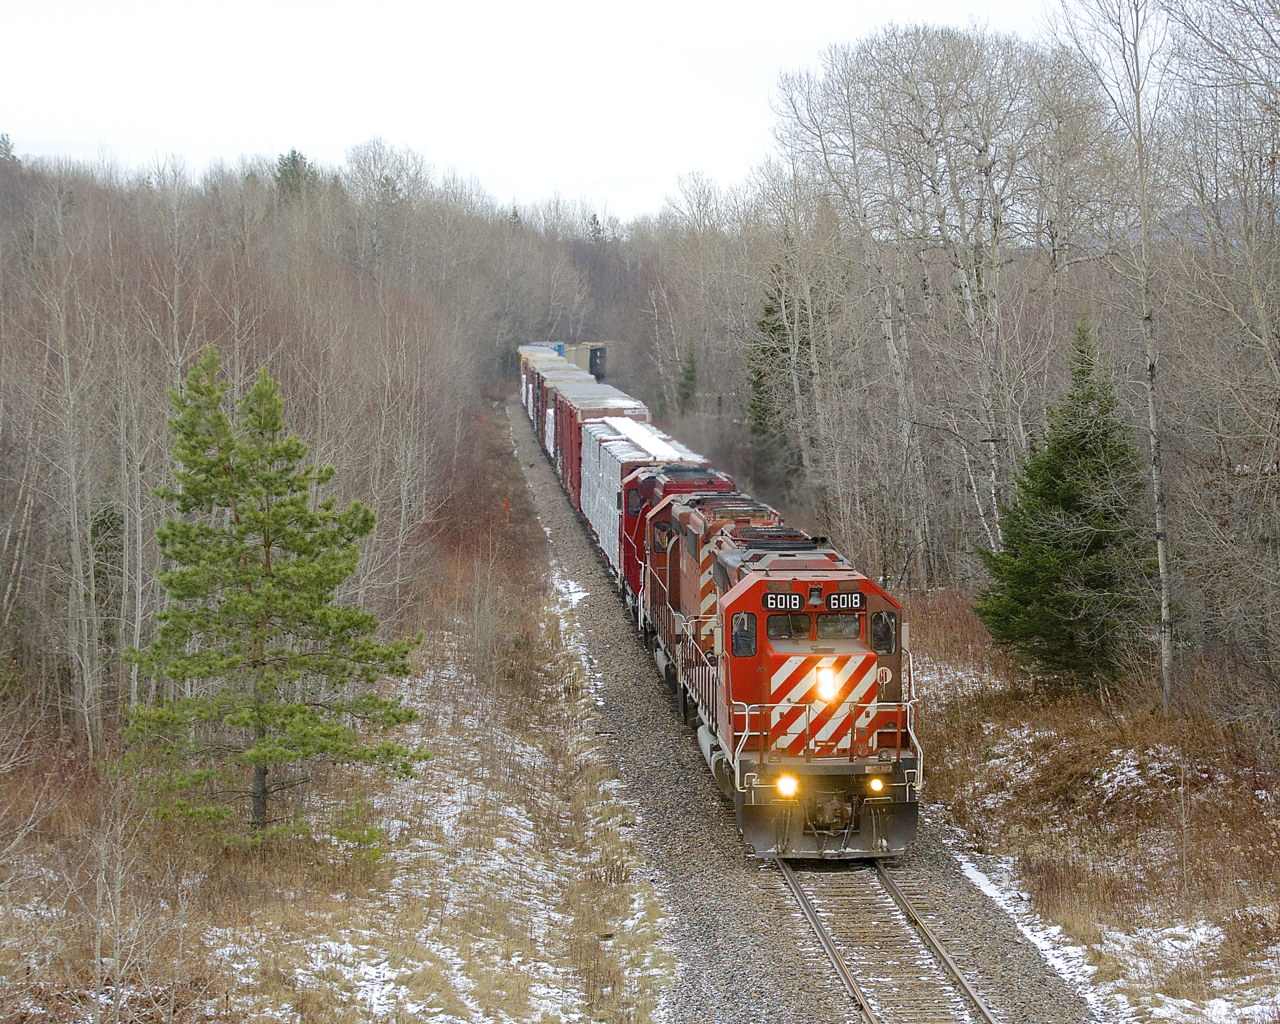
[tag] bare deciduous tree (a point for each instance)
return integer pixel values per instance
(1126, 44)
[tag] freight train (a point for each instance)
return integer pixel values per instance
(793, 667)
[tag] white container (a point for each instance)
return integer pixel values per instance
(613, 448)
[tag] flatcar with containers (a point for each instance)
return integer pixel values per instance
(793, 667)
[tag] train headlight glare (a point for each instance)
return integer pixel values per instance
(826, 684)
(877, 785)
(787, 785)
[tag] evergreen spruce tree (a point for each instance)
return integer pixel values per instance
(1065, 588)
(294, 176)
(263, 669)
(774, 458)
(687, 384)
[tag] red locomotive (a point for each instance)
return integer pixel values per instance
(792, 665)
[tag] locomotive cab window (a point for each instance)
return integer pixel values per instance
(884, 632)
(662, 534)
(634, 502)
(742, 642)
(787, 627)
(839, 627)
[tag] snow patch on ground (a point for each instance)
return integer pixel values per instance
(1145, 950)
(365, 973)
(569, 590)
(1068, 959)
(1125, 783)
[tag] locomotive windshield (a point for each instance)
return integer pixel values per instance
(788, 627)
(839, 627)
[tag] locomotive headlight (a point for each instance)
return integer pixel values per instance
(827, 684)
(787, 785)
(877, 785)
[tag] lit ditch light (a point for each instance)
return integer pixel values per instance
(827, 684)
(787, 785)
(877, 785)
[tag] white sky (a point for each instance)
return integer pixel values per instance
(607, 104)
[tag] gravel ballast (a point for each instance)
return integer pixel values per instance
(744, 953)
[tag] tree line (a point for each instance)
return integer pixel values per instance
(872, 331)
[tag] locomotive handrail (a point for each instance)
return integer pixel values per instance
(662, 613)
(696, 665)
(911, 700)
(761, 709)
(628, 549)
(919, 749)
(699, 619)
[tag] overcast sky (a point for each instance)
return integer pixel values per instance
(606, 103)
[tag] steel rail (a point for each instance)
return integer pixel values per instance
(931, 940)
(828, 944)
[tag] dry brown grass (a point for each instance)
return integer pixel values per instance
(102, 897)
(944, 627)
(565, 809)
(1118, 817)
(100, 868)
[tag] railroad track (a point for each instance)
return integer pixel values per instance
(884, 954)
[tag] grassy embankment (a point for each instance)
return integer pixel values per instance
(498, 886)
(1151, 839)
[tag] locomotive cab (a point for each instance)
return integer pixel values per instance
(642, 492)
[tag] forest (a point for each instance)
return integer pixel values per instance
(872, 330)
(381, 299)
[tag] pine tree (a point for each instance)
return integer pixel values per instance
(775, 458)
(687, 384)
(295, 176)
(1066, 586)
(263, 668)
